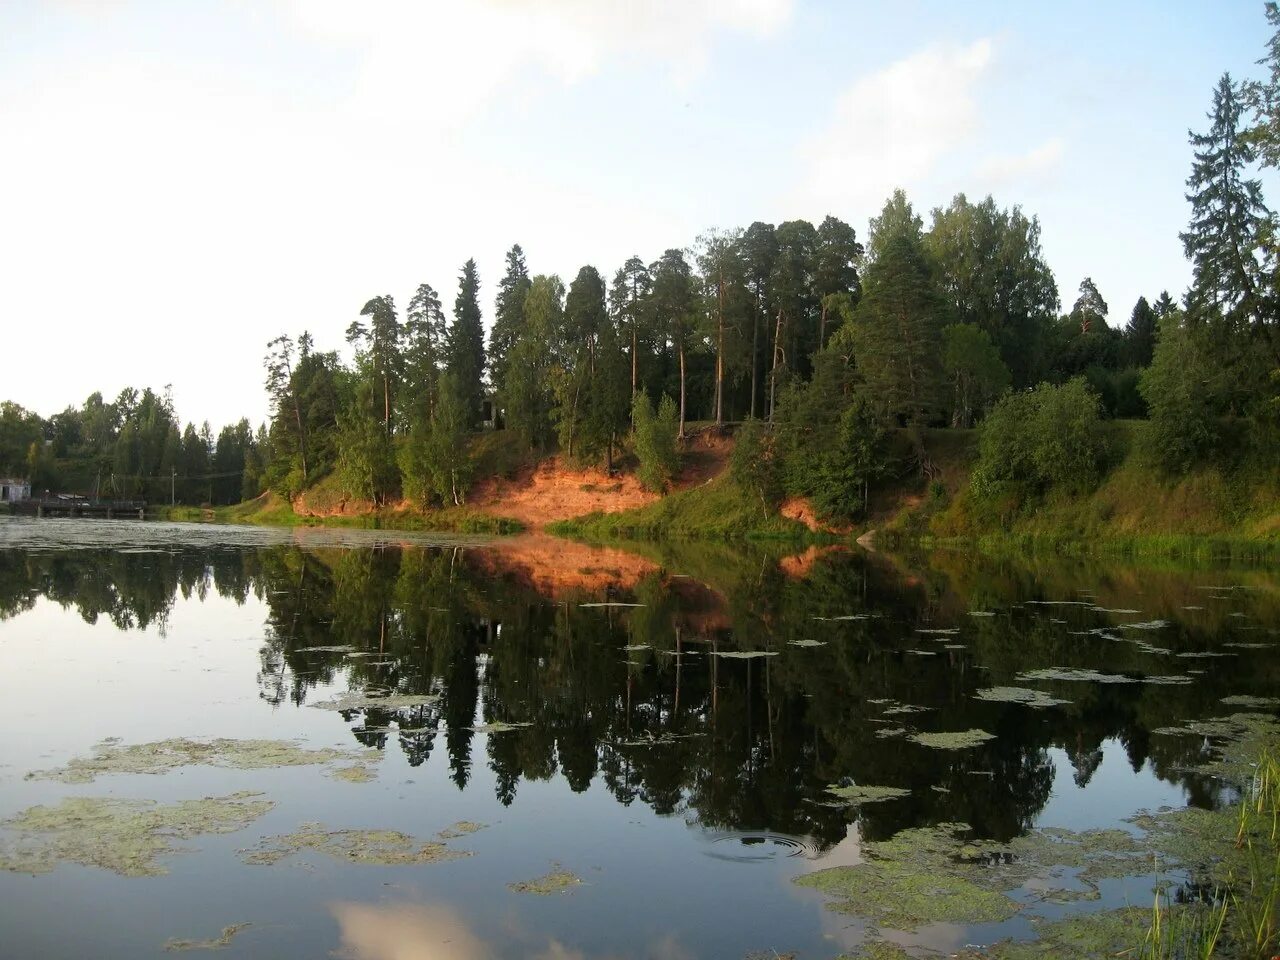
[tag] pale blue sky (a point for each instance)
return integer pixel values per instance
(198, 177)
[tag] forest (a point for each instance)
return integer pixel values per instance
(812, 343)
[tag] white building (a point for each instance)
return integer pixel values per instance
(12, 489)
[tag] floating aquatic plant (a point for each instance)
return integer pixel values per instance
(223, 940)
(1023, 695)
(371, 697)
(557, 881)
(161, 756)
(952, 740)
(377, 847)
(127, 837)
(856, 795)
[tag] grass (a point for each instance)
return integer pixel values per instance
(271, 510)
(1241, 919)
(716, 510)
(1212, 512)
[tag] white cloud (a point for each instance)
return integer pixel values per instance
(892, 128)
(275, 173)
(1000, 171)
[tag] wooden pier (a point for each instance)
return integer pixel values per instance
(81, 507)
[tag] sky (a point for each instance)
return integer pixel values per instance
(182, 181)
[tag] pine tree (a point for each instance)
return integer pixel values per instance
(675, 311)
(1090, 311)
(465, 343)
(422, 355)
(759, 251)
(379, 343)
(629, 303)
(896, 329)
(726, 300)
(835, 272)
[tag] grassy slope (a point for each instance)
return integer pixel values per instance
(717, 509)
(1210, 510)
(271, 510)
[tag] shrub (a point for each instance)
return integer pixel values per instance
(752, 464)
(1040, 439)
(655, 441)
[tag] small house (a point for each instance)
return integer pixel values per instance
(12, 490)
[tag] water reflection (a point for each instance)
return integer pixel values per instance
(551, 660)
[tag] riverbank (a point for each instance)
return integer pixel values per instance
(1212, 512)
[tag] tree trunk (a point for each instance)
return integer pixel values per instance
(822, 325)
(773, 374)
(681, 432)
(302, 437)
(720, 358)
(755, 355)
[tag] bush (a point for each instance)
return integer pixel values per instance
(655, 440)
(752, 464)
(1049, 437)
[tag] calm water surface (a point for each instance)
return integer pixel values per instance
(686, 788)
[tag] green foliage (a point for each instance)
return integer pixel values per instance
(508, 317)
(526, 396)
(435, 459)
(656, 439)
(994, 276)
(974, 368)
(365, 467)
(753, 466)
(831, 441)
(464, 344)
(895, 335)
(1183, 389)
(1037, 440)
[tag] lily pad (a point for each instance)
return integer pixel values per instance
(744, 654)
(807, 642)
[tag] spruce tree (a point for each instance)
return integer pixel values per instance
(1140, 334)
(1229, 222)
(465, 344)
(508, 316)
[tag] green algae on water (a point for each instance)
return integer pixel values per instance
(462, 828)
(164, 755)
(952, 740)
(224, 940)
(807, 642)
(500, 726)
(1256, 703)
(900, 884)
(364, 699)
(744, 654)
(855, 795)
(127, 837)
(557, 881)
(1074, 674)
(357, 773)
(1022, 695)
(388, 848)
